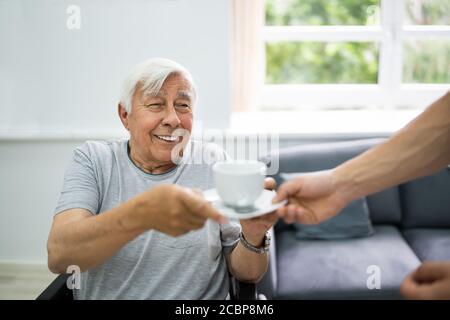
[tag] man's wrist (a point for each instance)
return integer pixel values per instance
(260, 249)
(132, 215)
(254, 240)
(344, 184)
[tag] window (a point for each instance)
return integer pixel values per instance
(335, 54)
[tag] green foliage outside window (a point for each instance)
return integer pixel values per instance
(352, 62)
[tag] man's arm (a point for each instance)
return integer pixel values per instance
(78, 238)
(419, 149)
(246, 265)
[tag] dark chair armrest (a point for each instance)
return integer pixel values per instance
(247, 291)
(241, 290)
(57, 290)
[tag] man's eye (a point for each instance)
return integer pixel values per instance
(183, 106)
(154, 106)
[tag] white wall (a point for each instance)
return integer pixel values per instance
(57, 83)
(54, 79)
(31, 177)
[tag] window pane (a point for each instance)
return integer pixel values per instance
(426, 61)
(322, 12)
(321, 62)
(425, 12)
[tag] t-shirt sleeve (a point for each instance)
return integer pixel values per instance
(80, 188)
(229, 235)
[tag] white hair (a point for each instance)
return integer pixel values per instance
(149, 76)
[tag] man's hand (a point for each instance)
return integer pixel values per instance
(431, 281)
(255, 229)
(312, 198)
(174, 210)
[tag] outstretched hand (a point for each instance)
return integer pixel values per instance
(312, 198)
(180, 210)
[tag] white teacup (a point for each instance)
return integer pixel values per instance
(239, 183)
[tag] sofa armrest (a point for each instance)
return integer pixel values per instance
(268, 285)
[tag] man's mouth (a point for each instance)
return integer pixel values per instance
(168, 138)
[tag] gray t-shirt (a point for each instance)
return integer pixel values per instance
(154, 265)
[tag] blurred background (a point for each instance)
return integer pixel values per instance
(307, 70)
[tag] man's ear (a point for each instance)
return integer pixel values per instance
(123, 115)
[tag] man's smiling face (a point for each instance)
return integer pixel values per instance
(153, 120)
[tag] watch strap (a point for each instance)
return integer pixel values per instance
(259, 250)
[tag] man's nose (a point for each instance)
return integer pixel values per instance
(171, 117)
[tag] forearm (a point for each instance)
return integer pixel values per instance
(419, 149)
(246, 265)
(91, 241)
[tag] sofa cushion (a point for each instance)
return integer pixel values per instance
(352, 222)
(321, 269)
(426, 201)
(384, 207)
(429, 244)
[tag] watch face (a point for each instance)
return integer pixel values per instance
(267, 242)
(267, 238)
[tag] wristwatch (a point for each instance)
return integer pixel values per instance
(249, 246)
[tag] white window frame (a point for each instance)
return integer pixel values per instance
(388, 93)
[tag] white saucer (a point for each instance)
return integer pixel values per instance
(263, 205)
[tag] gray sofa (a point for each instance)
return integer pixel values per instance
(411, 223)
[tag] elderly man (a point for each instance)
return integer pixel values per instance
(128, 216)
